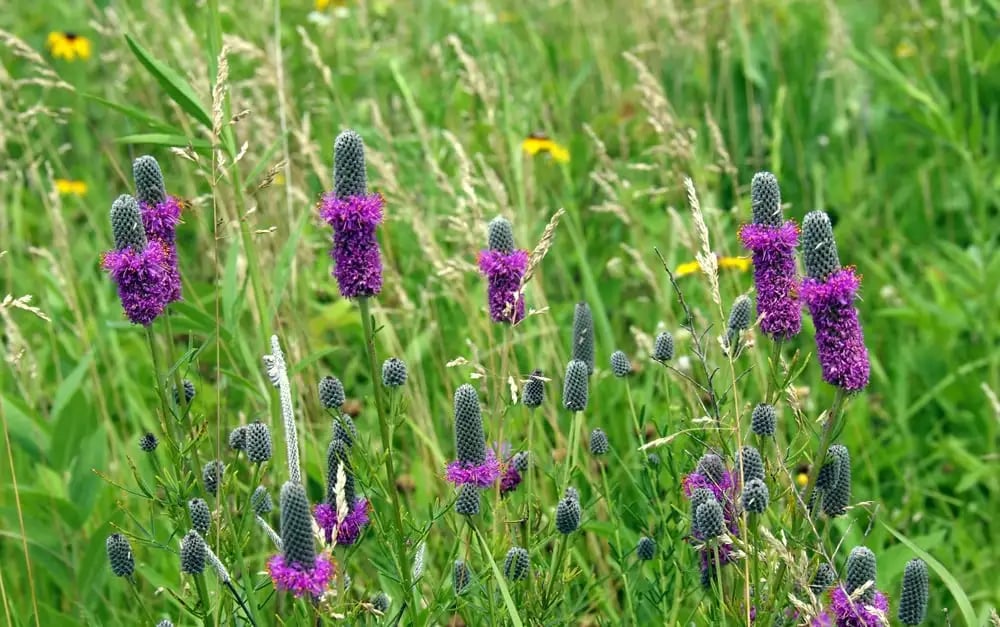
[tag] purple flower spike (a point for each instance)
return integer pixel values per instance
(141, 280)
(724, 491)
(350, 529)
(774, 275)
(298, 580)
(482, 475)
(160, 222)
(855, 613)
(503, 272)
(510, 480)
(839, 340)
(357, 261)
(823, 620)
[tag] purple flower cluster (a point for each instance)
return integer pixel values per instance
(160, 222)
(510, 480)
(298, 580)
(775, 278)
(845, 612)
(503, 272)
(357, 261)
(350, 529)
(482, 475)
(726, 491)
(142, 279)
(840, 342)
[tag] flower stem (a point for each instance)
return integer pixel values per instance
(635, 416)
(390, 470)
(572, 444)
(207, 619)
(629, 601)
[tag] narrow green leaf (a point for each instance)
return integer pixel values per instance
(949, 580)
(162, 139)
(173, 83)
(136, 114)
(283, 267)
(230, 285)
(69, 386)
(515, 618)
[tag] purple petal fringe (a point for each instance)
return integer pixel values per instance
(299, 581)
(503, 272)
(357, 260)
(774, 275)
(840, 343)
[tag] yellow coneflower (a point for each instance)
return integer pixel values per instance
(539, 143)
(741, 264)
(69, 46)
(66, 187)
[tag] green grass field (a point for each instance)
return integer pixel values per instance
(883, 114)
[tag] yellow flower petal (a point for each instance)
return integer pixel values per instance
(68, 46)
(734, 263)
(535, 144)
(802, 479)
(689, 267)
(67, 187)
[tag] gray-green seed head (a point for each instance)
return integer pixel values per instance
(837, 497)
(739, 319)
(260, 501)
(568, 515)
(148, 442)
(516, 564)
(201, 517)
(653, 460)
(296, 526)
(708, 520)
(211, 475)
(344, 429)
(165, 623)
(470, 439)
(258, 442)
(765, 199)
(752, 464)
(149, 186)
(336, 458)
(599, 444)
(467, 503)
(349, 177)
(663, 347)
(381, 602)
(460, 577)
(331, 392)
(533, 393)
(572, 493)
(500, 235)
(764, 420)
(120, 555)
(126, 224)
(861, 568)
(699, 496)
(393, 372)
(620, 365)
(583, 336)
(712, 466)
(823, 579)
(520, 461)
(646, 549)
(755, 496)
(819, 249)
(575, 386)
(194, 553)
(916, 588)
(238, 438)
(189, 392)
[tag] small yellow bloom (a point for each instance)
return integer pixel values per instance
(69, 46)
(802, 479)
(323, 5)
(905, 50)
(686, 268)
(725, 263)
(66, 187)
(540, 143)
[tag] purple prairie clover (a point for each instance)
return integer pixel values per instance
(137, 265)
(482, 475)
(298, 569)
(160, 221)
(840, 342)
(503, 272)
(348, 530)
(475, 464)
(773, 253)
(849, 612)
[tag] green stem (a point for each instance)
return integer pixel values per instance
(139, 600)
(160, 384)
(618, 540)
(572, 444)
(390, 470)
(635, 416)
(529, 482)
(556, 567)
(207, 619)
(718, 578)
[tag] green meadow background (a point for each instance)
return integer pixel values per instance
(882, 113)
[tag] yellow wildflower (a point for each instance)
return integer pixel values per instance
(905, 50)
(69, 46)
(323, 5)
(725, 263)
(66, 187)
(540, 143)
(802, 479)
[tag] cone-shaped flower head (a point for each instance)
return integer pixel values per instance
(819, 249)
(823, 579)
(139, 267)
(575, 386)
(120, 555)
(260, 501)
(599, 444)
(583, 336)
(708, 520)
(752, 464)
(211, 475)
(511, 478)
(238, 438)
(165, 623)
(393, 372)
(653, 460)
(516, 564)
(645, 550)
(533, 393)
(712, 468)
(350, 177)
(258, 442)
(861, 568)
(298, 569)
(568, 515)
(620, 365)
(848, 612)
(381, 602)
(764, 420)
(475, 463)
(160, 216)
(698, 497)
(201, 517)
(331, 392)
(149, 186)
(520, 461)
(126, 224)
(337, 459)
(467, 503)
(739, 320)
(837, 496)
(189, 392)
(913, 600)
(755, 496)
(344, 429)
(663, 347)
(772, 242)
(148, 442)
(572, 493)
(504, 268)
(460, 577)
(194, 553)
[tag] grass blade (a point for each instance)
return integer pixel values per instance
(173, 83)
